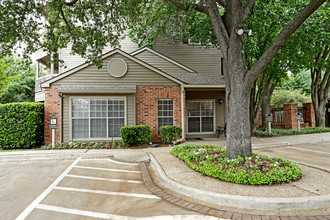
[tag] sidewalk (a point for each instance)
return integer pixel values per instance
(310, 196)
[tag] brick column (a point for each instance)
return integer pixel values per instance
(309, 115)
(52, 110)
(290, 111)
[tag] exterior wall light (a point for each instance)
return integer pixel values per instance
(240, 31)
(220, 101)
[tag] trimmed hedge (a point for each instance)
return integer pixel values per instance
(169, 133)
(276, 132)
(21, 125)
(138, 134)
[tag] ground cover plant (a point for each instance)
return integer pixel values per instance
(91, 145)
(256, 170)
(276, 132)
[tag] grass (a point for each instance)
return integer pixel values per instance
(276, 132)
(256, 170)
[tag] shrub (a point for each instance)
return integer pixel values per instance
(169, 133)
(281, 97)
(21, 125)
(255, 170)
(138, 134)
(276, 132)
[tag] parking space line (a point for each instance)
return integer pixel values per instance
(119, 217)
(146, 196)
(114, 161)
(29, 209)
(103, 179)
(303, 149)
(108, 169)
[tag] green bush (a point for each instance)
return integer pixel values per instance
(276, 132)
(138, 134)
(255, 170)
(169, 133)
(281, 97)
(21, 125)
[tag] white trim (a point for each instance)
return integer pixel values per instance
(43, 195)
(214, 116)
(163, 57)
(74, 70)
(96, 97)
(205, 86)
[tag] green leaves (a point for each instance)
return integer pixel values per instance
(21, 125)
(169, 133)
(211, 161)
(138, 134)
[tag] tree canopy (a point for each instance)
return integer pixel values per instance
(92, 24)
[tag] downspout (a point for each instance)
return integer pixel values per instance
(61, 116)
(182, 114)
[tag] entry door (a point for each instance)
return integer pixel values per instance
(200, 116)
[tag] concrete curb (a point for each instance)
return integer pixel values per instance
(242, 202)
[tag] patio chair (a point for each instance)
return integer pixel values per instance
(222, 130)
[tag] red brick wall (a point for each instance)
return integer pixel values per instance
(309, 114)
(147, 109)
(52, 110)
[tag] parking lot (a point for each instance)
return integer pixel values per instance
(81, 189)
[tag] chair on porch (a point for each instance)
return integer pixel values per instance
(222, 130)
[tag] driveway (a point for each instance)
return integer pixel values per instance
(99, 188)
(313, 154)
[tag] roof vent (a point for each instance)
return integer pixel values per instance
(117, 67)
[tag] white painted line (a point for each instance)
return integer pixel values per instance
(29, 209)
(107, 169)
(93, 159)
(120, 217)
(107, 192)
(103, 179)
(114, 161)
(303, 149)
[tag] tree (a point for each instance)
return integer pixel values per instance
(314, 41)
(17, 80)
(301, 81)
(281, 97)
(96, 23)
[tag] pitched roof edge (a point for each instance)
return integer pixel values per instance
(134, 53)
(104, 56)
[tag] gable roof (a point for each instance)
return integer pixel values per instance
(156, 53)
(115, 51)
(198, 79)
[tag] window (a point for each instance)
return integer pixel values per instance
(200, 116)
(97, 117)
(165, 112)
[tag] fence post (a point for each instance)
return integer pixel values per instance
(290, 111)
(309, 115)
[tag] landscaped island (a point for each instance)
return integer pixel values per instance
(256, 170)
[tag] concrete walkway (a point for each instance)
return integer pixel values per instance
(309, 196)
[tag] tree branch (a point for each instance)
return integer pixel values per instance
(248, 7)
(278, 42)
(197, 7)
(223, 3)
(66, 22)
(70, 3)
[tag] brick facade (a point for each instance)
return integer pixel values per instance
(309, 115)
(52, 110)
(147, 105)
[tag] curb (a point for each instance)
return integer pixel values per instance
(242, 202)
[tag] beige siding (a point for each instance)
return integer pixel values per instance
(130, 112)
(159, 62)
(136, 75)
(71, 61)
(220, 109)
(203, 60)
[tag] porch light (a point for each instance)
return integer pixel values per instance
(240, 31)
(220, 101)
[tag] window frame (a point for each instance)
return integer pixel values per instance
(164, 116)
(214, 116)
(89, 117)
